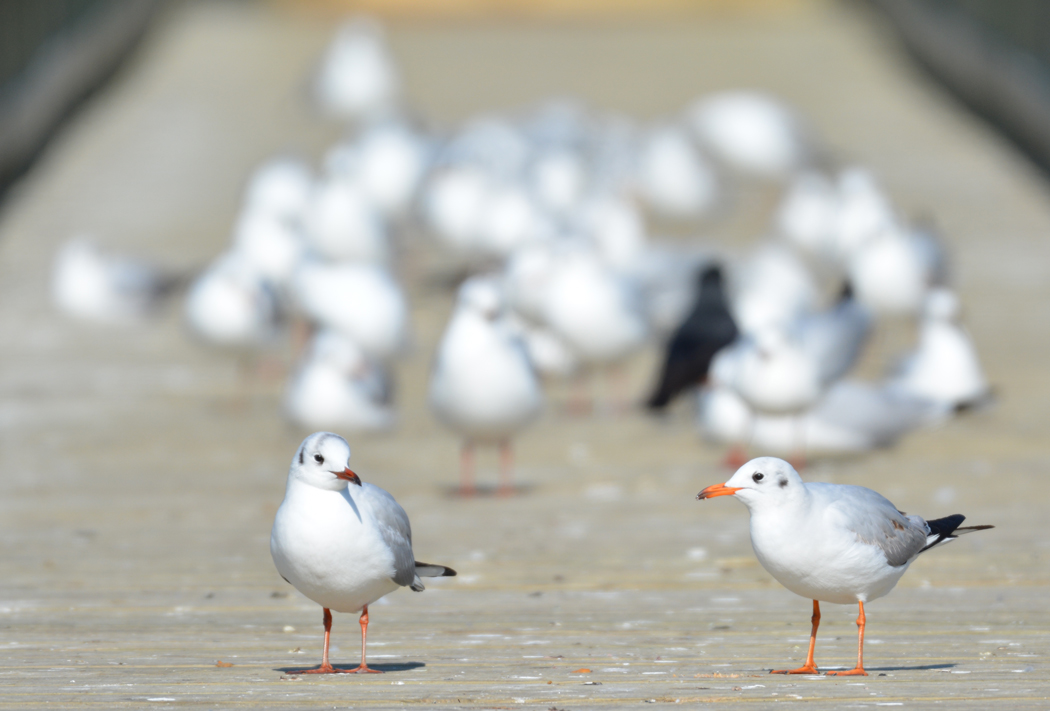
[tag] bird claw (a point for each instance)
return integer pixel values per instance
(801, 670)
(362, 670)
(323, 669)
(852, 672)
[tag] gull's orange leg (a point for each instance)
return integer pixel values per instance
(810, 666)
(506, 469)
(325, 667)
(363, 668)
(859, 671)
(466, 469)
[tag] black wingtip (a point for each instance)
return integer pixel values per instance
(446, 572)
(945, 526)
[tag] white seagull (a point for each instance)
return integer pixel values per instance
(358, 78)
(92, 285)
(852, 417)
(944, 367)
(833, 542)
(483, 385)
(342, 543)
(752, 132)
(362, 301)
(338, 387)
(232, 305)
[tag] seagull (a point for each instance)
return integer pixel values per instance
(337, 386)
(834, 338)
(358, 78)
(944, 367)
(360, 300)
(341, 223)
(270, 243)
(280, 187)
(95, 286)
(852, 417)
(232, 305)
(833, 542)
(774, 288)
(390, 160)
(673, 177)
(342, 543)
(483, 385)
(752, 132)
(893, 270)
(708, 329)
(596, 311)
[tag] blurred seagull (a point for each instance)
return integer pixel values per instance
(708, 329)
(358, 78)
(359, 300)
(596, 312)
(773, 289)
(270, 244)
(280, 187)
(834, 338)
(482, 385)
(944, 367)
(340, 542)
(774, 376)
(342, 224)
(337, 387)
(673, 177)
(830, 542)
(752, 132)
(91, 285)
(231, 305)
(852, 417)
(892, 271)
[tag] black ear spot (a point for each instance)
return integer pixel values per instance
(300, 456)
(319, 459)
(783, 483)
(758, 476)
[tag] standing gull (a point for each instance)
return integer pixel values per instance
(342, 543)
(832, 542)
(483, 386)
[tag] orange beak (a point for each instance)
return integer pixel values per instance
(717, 490)
(348, 476)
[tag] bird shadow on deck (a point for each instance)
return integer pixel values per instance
(388, 667)
(917, 667)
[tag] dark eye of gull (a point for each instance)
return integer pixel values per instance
(319, 459)
(758, 476)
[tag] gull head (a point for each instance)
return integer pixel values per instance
(763, 481)
(482, 294)
(322, 461)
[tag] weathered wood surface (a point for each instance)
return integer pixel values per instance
(139, 477)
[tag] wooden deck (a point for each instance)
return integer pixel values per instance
(139, 477)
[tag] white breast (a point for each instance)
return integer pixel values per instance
(326, 546)
(826, 562)
(483, 385)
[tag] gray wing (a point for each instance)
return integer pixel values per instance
(391, 521)
(835, 338)
(875, 521)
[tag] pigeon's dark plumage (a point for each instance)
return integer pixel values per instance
(708, 328)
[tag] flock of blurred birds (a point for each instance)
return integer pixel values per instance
(549, 212)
